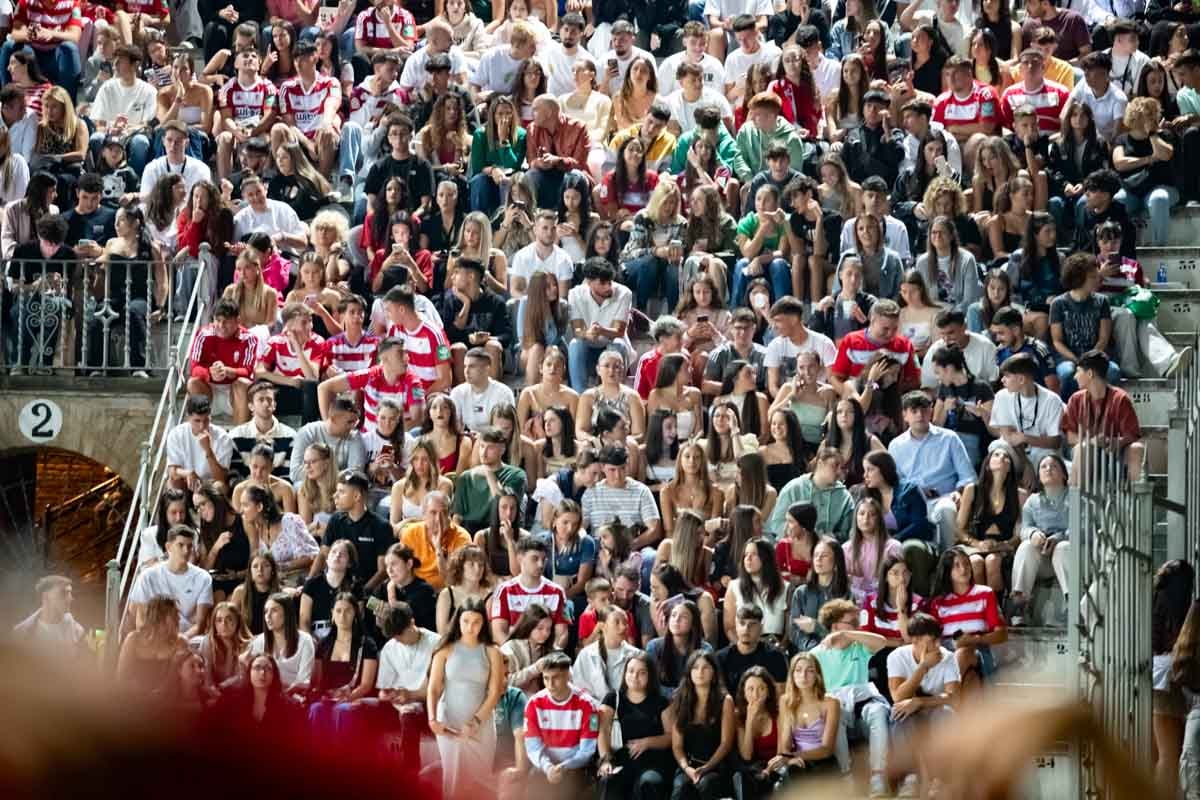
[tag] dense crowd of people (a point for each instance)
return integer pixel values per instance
(886, 254)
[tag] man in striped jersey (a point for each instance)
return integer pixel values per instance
(222, 362)
(562, 724)
(387, 380)
(294, 361)
(427, 347)
(355, 347)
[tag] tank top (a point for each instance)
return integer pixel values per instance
(700, 742)
(619, 404)
(809, 737)
(449, 463)
(1005, 519)
(778, 475)
(811, 419)
(767, 745)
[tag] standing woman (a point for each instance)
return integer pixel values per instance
(673, 391)
(692, 488)
(704, 731)
(550, 390)
(282, 639)
(827, 580)
(756, 704)
(758, 584)
(950, 268)
(787, 452)
(988, 515)
(467, 579)
(466, 679)
(808, 721)
(262, 581)
(1174, 588)
(868, 546)
(635, 763)
(739, 386)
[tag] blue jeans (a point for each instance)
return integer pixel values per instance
(350, 150)
(778, 272)
(696, 11)
(1066, 377)
(652, 276)
(1158, 205)
(137, 147)
(582, 358)
(485, 194)
(60, 65)
(1058, 210)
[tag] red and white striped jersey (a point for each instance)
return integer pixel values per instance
(561, 727)
(371, 30)
(246, 104)
(406, 392)
(282, 359)
(887, 622)
(58, 15)
(352, 357)
(974, 611)
(511, 600)
(307, 105)
(365, 106)
(427, 347)
(155, 8)
(856, 351)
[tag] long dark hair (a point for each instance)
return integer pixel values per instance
(37, 195)
(769, 582)
(857, 534)
(568, 434)
(714, 445)
(981, 505)
(752, 480)
(530, 618)
(1067, 135)
(621, 181)
(291, 626)
(989, 41)
(270, 508)
(472, 605)
(578, 181)
(653, 686)
(801, 452)
(1174, 587)
(1029, 246)
(382, 216)
(614, 249)
(840, 585)
(942, 583)
(492, 541)
(749, 415)
(860, 442)
(881, 592)
(771, 705)
(882, 460)
(251, 594)
(243, 690)
(655, 448)
(325, 647)
(169, 495)
(684, 704)
(217, 218)
(999, 274)
(209, 531)
(667, 656)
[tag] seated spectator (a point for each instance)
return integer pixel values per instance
(1100, 191)
(561, 726)
(295, 360)
(467, 577)
(1044, 535)
(787, 317)
(1032, 433)
(1007, 329)
(848, 309)
(823, 489)
(1143, 158)
(40, 272)
(758, 583)
(968, 109)
(433, 540)
(1075, 152)
(621, 497)
(51, 35)
(402, 681)
(969, 615)
(987, 516)
(554, 132)
(530, 586)
(531, 640)
(949, 266)
(389, 380)
(749, 650)
(279, 533)
(1100, 409)
(1080, 320)
(888, 610)
(263, 215)
(602, 663)
(924, 679)
(855, 349)
(404, 588)
(51, 629)
(875, 148)
(1047, 97)
(124, 108)
(261, 462)
(963, 403)
(978, 352)
(882, 267)
(147, 654)
(1103, 97)
(638, 706)
(476, 318)
(496, 148)
(222, 547)
(223, 640)
(351, 520)
(345, 666)
(294, 650)
(424, 341)
(338, 432)
(935, 460)
(763, 246)
(654, 253)
(188, 588)
(701, 736)
(869, 544)
(197, 450)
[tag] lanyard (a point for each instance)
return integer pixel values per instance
(1037, 399)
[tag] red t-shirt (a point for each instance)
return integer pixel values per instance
(979, 106)
(635, 197)
(209, 347)
(1048, 101)
(856, 349)
(406, 392)
(975, 611)
(1114, 416)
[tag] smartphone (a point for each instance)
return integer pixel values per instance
(702, 318)
(396, 248)
(614, 65)
(519, 205)
(87, 242)
(386, 451)
(676, 243)
(672, 601)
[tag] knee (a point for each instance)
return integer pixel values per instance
(977, 562)
(993, 560)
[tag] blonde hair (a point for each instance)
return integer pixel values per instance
(485, 236)
(666, 187)
(70, 119)
(687, 545)
(1142, 109)
(248, 302)
(789, 702)
(329, 219)
(520, 34)
(319, 493)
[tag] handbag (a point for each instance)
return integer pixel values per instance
(1141, 302)
(617, 737)
(1137, 181)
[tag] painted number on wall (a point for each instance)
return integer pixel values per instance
(41, 421)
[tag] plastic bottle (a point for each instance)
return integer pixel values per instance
(1161, 277)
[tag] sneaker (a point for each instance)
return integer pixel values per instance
(16, 371)
(879, 787)
(1181, 362)
(910, 788)
(96, 374)
(141, 373)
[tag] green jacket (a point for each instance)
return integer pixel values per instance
(510, 156)
(753, 145)
(727, 154)
(835, 510)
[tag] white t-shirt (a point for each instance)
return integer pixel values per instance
(714, 73)
(739, 62)
(497, 70)
(1040, 415)
(683, 112)
(193, 171)
(404, 666)
(298, 668)
(728, 9)
(184, 451)
(980, 355)
(190, 589)
(526, 262)
(278, 218)
(782, 352)
(137, 102)
(902, 664)
(827, 76)
(562, 67)
(614, 85)
(424, 307)
(1108, 110)
(474, 409)
(414, 75)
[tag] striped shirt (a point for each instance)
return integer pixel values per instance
(282, 359)
(857, 349)
(561, 733)
(512, 598)
(632, 503)
(406, 391)
(427, 347)
(352, 357)
(887, 622)
(974, 611)
(56, 15)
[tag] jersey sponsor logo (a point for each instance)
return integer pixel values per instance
(443, 352)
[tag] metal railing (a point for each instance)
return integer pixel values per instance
(152, 471)
(1183, 467)
(1111, 576)
(113, 316)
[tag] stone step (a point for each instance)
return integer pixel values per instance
(1178, 310)
(1153, 399)
(1182, 263)
(1184, 230)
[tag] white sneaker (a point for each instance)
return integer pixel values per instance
(910, 788)
(141, 373)
(879, 787)
(16, 371)
(1181, 362)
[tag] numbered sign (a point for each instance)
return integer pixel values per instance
(41, 421)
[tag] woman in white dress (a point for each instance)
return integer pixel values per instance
(467, 663)
(283, 535)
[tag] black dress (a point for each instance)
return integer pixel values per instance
(778, 475)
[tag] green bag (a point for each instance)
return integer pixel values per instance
(1141, 302)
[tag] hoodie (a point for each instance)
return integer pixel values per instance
(834, 507)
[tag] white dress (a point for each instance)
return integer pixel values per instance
(466, 763)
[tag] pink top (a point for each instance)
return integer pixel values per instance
(864, 571)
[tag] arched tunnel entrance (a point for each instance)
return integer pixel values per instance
(60, 512)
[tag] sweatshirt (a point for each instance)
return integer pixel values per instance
(833, 504)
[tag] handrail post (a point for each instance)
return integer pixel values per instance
(112, 615)
(1177, 480)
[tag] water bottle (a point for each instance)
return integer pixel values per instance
(952, 417)
(1161, 276)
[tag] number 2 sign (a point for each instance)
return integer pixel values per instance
(41, 421)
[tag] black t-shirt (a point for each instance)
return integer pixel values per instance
(336, 674)
(734, 664)
(27, 260)
(421, 598)
(318, 590)
(371, 536)
(1160, 171)
(416, 173)
(300, 195)
(99, 226)
(640, 720)
(970, 392)
(434, 227)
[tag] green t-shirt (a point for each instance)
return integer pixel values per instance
(845, 667)
(1188, 100)
(473, 500)
(749, 226)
